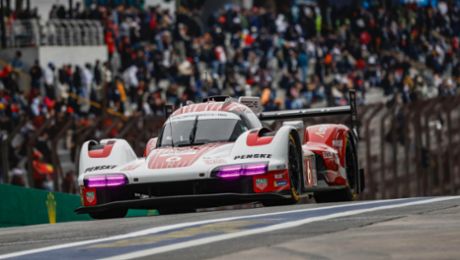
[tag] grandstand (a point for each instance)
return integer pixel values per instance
(102, 65)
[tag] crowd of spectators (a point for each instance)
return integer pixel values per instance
(311, 54)
(292, 59)
(306, 55)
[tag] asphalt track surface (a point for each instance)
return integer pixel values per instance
(412, 228)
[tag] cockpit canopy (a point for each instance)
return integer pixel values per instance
(198, 128)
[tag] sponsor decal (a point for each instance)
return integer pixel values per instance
(100, 167)
(173, 159)
(328, 155)
(261, 183)
(280, 183)
(208, 115)
(131, 167)
(279, 176)
(309, 171)
(161, 158)
(322, 131)
(337, 143)
(178, 152)
(214, 161)
(89, 196)
(253, 156)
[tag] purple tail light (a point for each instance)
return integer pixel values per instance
(106, 181)
(235, 171)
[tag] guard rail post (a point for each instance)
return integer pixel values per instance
(5, 149)
(370, 176)
(455, 102)
(426, 184)
(382, 184)
(55, 157)
(30, 146)
(394, 148)
(439, 173)
(407, 159)
(418, 138)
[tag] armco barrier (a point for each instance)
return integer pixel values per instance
(25, 206)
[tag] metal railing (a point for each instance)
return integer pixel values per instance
(411, 150)
(55, 32)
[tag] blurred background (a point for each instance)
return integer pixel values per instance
(75, 70)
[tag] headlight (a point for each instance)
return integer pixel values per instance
(111, 180)
(235, 171)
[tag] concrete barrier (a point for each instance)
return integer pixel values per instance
(24, 206)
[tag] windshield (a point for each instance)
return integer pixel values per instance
(200, 131)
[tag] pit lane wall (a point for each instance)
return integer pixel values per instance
(24, 206)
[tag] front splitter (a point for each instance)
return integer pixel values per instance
(191, 201)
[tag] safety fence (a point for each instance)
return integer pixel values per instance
(405, 150)
(412, 150)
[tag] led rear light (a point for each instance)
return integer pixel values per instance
(112, 180)
(235, 171)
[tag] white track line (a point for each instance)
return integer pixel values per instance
(291, 224)
(203, 222)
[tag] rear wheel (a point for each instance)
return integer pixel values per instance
(346, 193)
(295, 173)
(108, 214)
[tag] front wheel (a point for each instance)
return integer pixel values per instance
(295, 173)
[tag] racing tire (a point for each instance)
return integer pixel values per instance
(346, 193)
(295, 174)
(108, 214)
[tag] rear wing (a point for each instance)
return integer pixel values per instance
(315, 112)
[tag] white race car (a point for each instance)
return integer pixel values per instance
(219, 153)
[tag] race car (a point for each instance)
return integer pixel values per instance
(219, 152)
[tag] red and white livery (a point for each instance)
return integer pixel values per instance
(217, 153)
